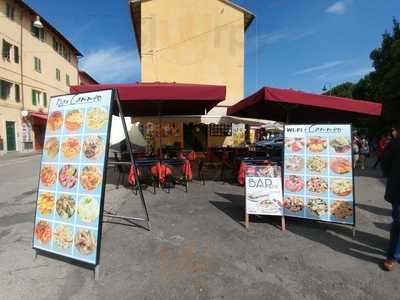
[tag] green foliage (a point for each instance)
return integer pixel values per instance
(383, 84)
(342, 90)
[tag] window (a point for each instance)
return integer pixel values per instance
(10, 11)
(56, 45)
(35, 97)
(39, 98)
(16, 54)
(5, 89)
(37, 65)
(6, 50)
(17, 94)
(44, 99)
(67, 54)
(58, 74)
(37, 32)
(62, 50)
(67, 80)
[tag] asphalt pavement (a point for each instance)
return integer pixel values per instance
(198, 248)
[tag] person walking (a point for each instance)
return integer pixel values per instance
(391, 170)
(364, 152)
(356, 144)
(382, 143)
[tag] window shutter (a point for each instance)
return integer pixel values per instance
(17, 93)
(2, 90)
(45, 99)
(34, 97)
(16, 54)
(5, 49)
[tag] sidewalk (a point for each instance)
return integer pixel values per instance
(14, 155)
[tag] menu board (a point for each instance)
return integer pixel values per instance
(318, 173)
(264, 190)
(71, 186)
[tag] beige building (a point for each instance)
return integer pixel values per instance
(36, 62)
(192, 41)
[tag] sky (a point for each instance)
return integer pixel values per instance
(298, 44)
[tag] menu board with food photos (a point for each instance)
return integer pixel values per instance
(71, 187)
(264, 190)
(318, 173)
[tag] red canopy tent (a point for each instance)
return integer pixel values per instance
(151, 99)
(38, 118)
(287, 105)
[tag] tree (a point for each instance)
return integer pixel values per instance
(342, 90)
(385, 80)
(383, 84)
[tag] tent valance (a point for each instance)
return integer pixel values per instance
(295, 106)
(152, 99)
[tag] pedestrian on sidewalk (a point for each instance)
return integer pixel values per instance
(391, 170)
(382, 143)
(364, 152)
(356, 144)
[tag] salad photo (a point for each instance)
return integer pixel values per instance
(340, 145)
(341, 187)
(317, 206)
(316, 164)
(88, 209)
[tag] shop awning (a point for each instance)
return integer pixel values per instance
(287, 105)
(38, 118)
(152, 99)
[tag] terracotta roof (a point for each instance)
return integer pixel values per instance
(136, 12)
(48, 25)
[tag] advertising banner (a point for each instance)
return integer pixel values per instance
(239, 135)
(318, 173)
(264, 190)
(69, 206)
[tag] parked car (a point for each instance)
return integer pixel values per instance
(275, 143)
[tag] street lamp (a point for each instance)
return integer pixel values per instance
(38, 23)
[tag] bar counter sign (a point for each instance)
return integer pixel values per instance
(69, 208)
(318, 173)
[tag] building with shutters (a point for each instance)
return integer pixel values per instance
(36, 62)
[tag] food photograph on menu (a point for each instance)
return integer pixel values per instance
(71, 179)
(318, 173)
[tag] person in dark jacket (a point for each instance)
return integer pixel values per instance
(391, 170)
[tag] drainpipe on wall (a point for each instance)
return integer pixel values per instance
(21, 62)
